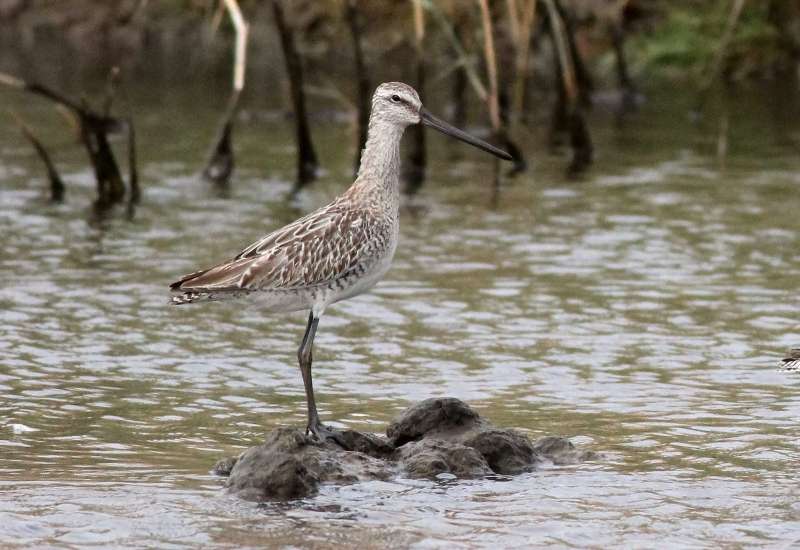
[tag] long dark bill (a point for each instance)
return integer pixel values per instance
(429, 120)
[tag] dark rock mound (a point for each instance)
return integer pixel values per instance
(445, 416)
(431, 457)
(506, 451)
(433, 437)
(290, 464)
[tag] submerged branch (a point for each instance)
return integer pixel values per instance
(56, 183)
(562, 50)
(567, 114)
(221, 160)
(307, 158)
(415, 168)
(362, 80)
(499, 124)
(94, 129)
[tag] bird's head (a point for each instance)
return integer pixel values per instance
(399, 104)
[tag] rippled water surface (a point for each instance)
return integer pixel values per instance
(639, 310)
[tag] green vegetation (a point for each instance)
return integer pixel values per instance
(684, 37)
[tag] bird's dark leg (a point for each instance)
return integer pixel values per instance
(304, 358)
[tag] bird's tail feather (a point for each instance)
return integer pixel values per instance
(195, 296)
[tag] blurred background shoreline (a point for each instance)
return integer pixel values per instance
(69, 42)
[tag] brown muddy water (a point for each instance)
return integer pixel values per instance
(640, 310)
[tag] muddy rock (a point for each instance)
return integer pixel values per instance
(290, 464)
(561, 451)
(441, 418)
(432, 437)
(506, 451)
(431, 457)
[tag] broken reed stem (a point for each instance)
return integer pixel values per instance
(93, 128)
(463, 58)
(14, 82)
(362, 80)
(722, 138)
(562, 50)
(135, 194)
(419, 23)
(514, 23)
(307, 157)
(133, 172)
(38, 89)
(414, 170)
(491, 65)
(523, 55)
(240, 51)
(460, 87)
(492, 101)
(111, 88)
(568, 115)
(216, 19)
(715, 67)
(221, 161)
(56, 183)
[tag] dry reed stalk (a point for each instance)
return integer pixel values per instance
(715, 67)
(523, 55)
(462, 56)
(414, 169)
(562, 50)
(491, 66)
(220, 164)
(362, 79)
(306, 156)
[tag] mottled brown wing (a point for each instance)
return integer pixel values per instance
(320, 250)
(320, 247)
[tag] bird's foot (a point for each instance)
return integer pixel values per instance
(322, 434)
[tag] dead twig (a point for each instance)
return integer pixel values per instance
(307, 158)
(220, 164)
(56, 183)
(464, 59)
(499, 128)
(522, 48)
(93, 129)
(491, 65)
(714, 68)
(414, 169)
(567, 113)
(362, 79)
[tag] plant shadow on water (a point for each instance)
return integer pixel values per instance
(641, 311)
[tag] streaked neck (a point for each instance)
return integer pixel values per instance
(380, 159)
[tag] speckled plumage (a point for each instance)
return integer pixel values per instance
(335, 252)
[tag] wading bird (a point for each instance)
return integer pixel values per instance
(341, 250)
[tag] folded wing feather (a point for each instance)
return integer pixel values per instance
(317, 248)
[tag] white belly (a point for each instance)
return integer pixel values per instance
(320, 297)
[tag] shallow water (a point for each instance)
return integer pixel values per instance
(640, 310)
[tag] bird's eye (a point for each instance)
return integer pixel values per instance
(396, 98)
